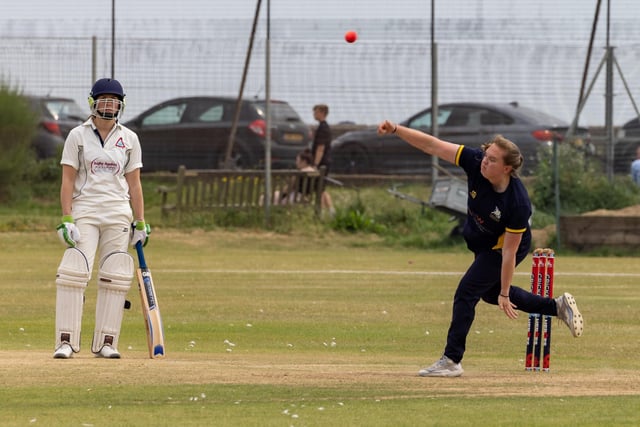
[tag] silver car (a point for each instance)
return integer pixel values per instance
(468, 123)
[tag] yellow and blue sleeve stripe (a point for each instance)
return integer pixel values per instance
(458, 155)
(516, 230)
(500, 243)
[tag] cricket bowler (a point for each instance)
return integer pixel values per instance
(497, 231)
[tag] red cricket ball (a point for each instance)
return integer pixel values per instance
(351, 36)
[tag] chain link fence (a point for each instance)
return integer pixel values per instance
(385, 74)
(362, 82)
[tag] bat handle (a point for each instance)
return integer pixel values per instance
(141, 260)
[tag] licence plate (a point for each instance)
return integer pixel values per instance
(293, 137)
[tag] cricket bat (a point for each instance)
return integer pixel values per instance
(150, 309)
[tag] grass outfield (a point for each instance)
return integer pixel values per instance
(273, 330)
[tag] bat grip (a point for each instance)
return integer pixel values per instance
(141, 260)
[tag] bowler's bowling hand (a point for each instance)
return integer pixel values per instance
(387, 127)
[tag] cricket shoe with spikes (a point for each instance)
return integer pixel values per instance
(568, 312)
(63, 352)
(444, 367)
(108, 352)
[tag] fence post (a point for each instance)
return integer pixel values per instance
(94, 60)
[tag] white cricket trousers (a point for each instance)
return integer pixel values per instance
(103, 230)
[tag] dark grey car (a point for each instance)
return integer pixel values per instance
(468, 123)
(626, 146)
(194, 131)
(57, 116)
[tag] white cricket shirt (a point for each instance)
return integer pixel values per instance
(100, 180)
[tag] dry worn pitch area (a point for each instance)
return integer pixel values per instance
(38, 368)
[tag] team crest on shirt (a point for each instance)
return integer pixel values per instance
(120, 143)
(496, 215)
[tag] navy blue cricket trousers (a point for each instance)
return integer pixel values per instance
(482, 281)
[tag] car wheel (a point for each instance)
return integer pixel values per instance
(351, 159)
(241, 159)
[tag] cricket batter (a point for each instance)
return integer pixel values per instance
(100, 196)
(497, 231)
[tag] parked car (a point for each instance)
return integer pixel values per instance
(468, 123)
(631, 129)
(57, 117)
(194, 131)
(626, 145)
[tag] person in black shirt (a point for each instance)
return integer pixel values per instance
(321, 146)
(498, 233)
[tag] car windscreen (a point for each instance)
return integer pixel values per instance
(167, 115)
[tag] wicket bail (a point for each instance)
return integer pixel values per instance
(539, 334)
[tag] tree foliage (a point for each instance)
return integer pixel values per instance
(17, 125)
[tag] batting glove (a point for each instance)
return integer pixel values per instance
(68, 232)
(140, 233)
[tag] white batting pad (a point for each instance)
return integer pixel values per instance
(114, 280)
(71, 281)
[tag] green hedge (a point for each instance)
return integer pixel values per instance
(583, 185)
(17, 126)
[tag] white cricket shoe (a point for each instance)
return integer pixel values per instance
(63, 352)
(108, 352)
(568, 312)
(444, 367)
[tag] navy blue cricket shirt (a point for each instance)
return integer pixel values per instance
(491, 214)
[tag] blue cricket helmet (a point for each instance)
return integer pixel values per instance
(107, 86)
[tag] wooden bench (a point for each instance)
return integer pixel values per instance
(206, 189)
